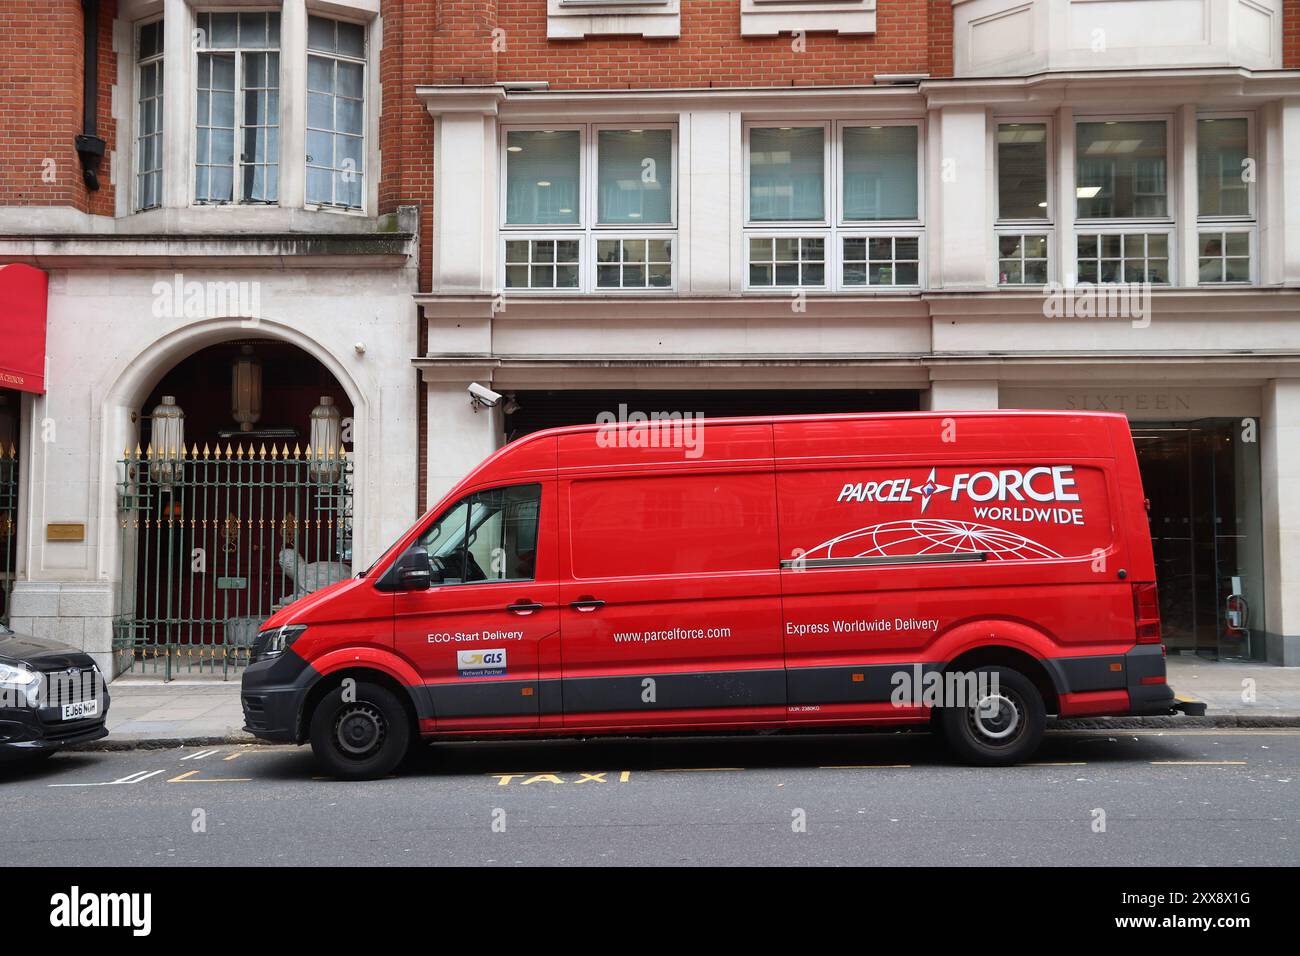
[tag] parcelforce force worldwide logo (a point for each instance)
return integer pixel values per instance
(1043, 484)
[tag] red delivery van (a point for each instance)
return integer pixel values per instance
(822, 571)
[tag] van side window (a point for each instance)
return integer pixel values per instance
(487, 536)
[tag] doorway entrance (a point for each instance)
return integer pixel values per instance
(236, 502)
(1203, 481)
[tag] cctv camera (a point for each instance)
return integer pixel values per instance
(482, 395)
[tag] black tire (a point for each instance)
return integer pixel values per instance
(1009, 735)
(363, 738)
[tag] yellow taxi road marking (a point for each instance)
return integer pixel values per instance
(1198, 763)
(580, 776)
(186, 778)
(1185, 698)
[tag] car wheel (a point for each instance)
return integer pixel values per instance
(361, 738)
(1001, 727)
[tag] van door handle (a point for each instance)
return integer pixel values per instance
(523, 608)
(586, 604)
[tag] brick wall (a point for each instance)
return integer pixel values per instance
(709, 52)
(1291, 34)
(41, 64)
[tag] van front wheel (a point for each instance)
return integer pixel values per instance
(360, 736)
(1003, 725)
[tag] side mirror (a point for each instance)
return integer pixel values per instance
(415, 572)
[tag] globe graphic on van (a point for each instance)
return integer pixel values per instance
(914, 536)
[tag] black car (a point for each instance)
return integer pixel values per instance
(51, 695)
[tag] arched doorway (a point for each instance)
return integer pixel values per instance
(236, 500)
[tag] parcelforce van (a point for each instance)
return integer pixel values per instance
(973, 571)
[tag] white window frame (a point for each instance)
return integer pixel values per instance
(877, 232)
(771, 17)
(806, 225)
(829, 258)
(1020, 226)
(839, 165)
(1248, 224)
(193, 159)
(587, 230)
(534, 235)
(136, 64)
(370, 69)
(575, 19)
(1130, 227)
(1173, 187)
(833, 227)
(593, 180)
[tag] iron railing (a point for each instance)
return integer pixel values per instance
(215, 541)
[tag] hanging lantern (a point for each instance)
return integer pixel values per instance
(246, 389)
(326, 441)
(168, 441)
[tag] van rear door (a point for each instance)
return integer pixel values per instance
(669, 608)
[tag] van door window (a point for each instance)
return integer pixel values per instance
(487, 536)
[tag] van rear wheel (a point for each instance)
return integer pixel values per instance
(363, 737)
(1003, 725)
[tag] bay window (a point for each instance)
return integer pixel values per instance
(237, 108)
(1124, 232)
(858, 230)
(336, 83)
(1024, 226)
(589, 207)
(1225, 203)
(236, 87)
(149, 115)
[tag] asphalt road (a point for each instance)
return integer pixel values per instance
(1189, 798)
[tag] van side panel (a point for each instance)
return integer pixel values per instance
(670, 608)
(905, 549)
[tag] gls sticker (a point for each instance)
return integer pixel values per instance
(1037, 484)
(481, 663)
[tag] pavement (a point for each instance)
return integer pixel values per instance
(150, 713)
(1154, 798)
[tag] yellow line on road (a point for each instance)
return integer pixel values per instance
(185, 778)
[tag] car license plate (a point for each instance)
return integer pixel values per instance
(82, 710)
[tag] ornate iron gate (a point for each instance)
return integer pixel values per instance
(214, 542)
(8, 527)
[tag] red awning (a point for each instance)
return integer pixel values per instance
(22, 319)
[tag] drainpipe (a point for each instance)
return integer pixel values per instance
(90, 147)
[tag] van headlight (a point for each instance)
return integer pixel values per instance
(276, 641)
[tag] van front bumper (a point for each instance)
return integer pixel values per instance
(272, 694)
